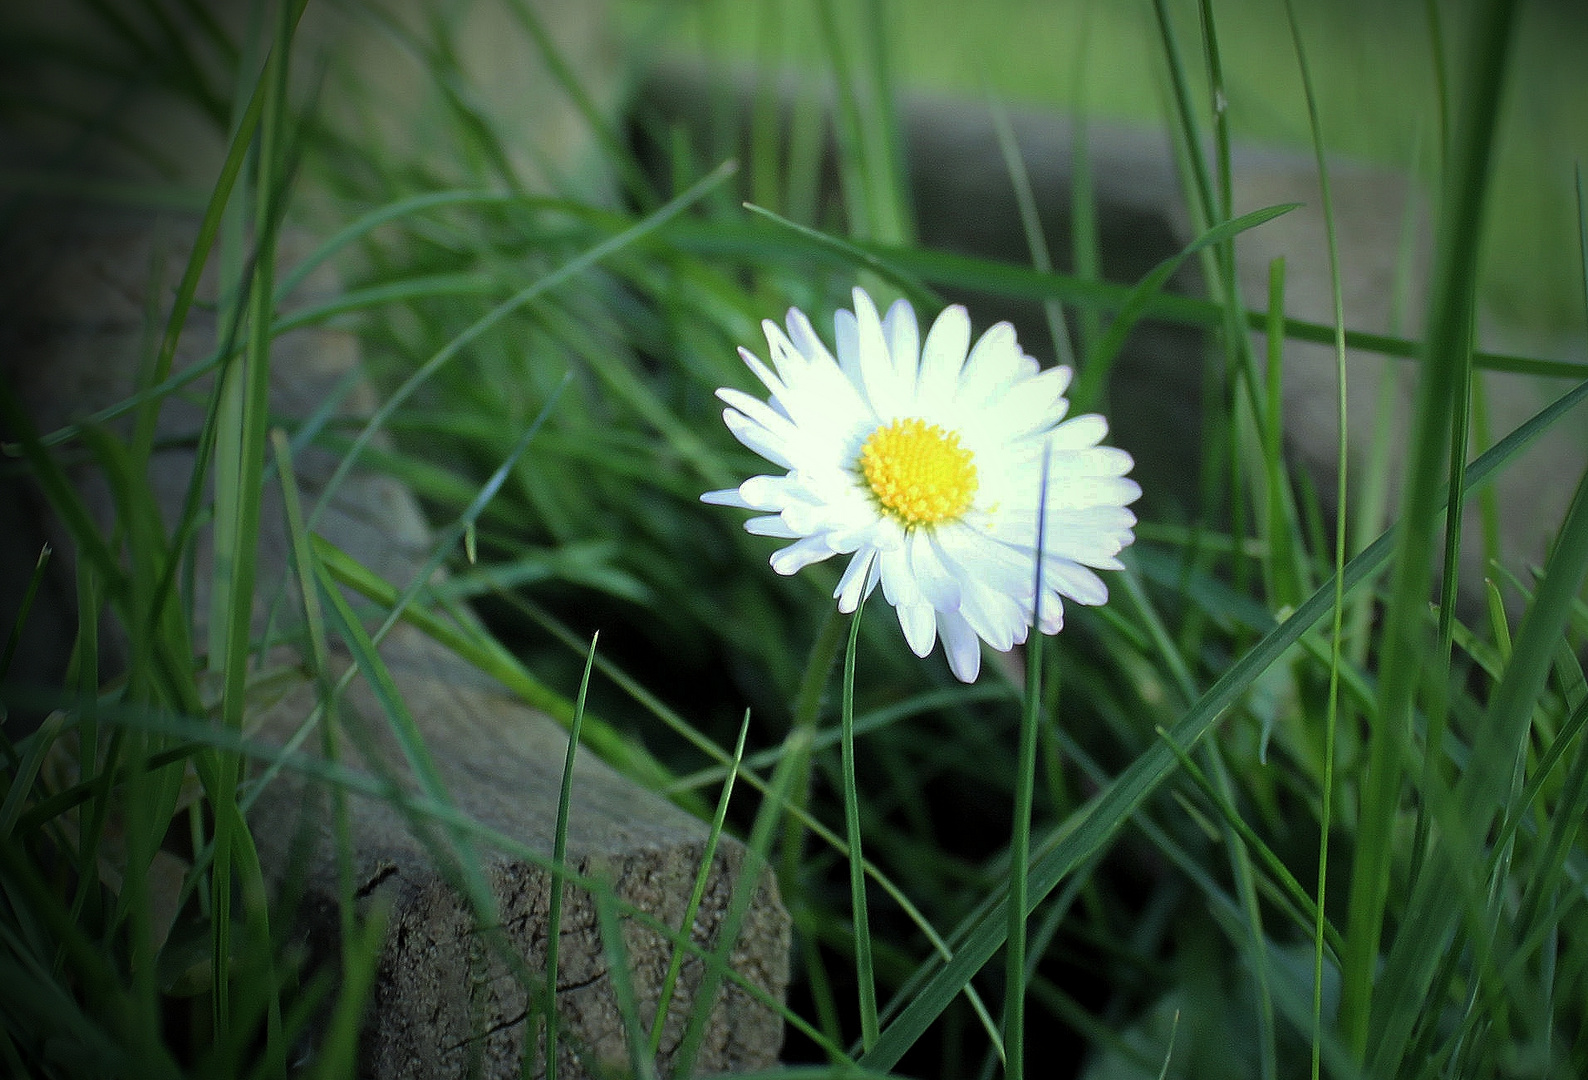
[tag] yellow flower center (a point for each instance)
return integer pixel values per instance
(918, 472)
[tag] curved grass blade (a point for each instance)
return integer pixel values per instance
(1138, 302)
(1440, 392)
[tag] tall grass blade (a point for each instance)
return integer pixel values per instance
(559, 860)
(19, 624)
(865, 976)
(1478, 796)
(1025, 789)
(1403, 641)
(1342, 435)
(1138, 303)
(697, 894)
(1031, 225)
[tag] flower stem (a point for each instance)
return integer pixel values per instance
(1019, 858)
(864, 974)
(1020, 838)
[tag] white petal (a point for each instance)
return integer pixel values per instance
(774, 385)
(1109, 461)
(846, 336)
(771, 525)
(1079, 432)
(960, 645)
(884, 387)
(806, 340)
(904, 338)
(936, 581)
(859, 578)
(765, 492)
(1030, 405)
(970, 556)
(852, 535)
(1067, 493)
(993, 364)
(757, 438)
(800, 554)
(919, 625)
(727, 497)
(1074, 581)
(777, 423)
(1052, 612)
(898, 583)
(995, 616)
(790, 362)
(943, 357)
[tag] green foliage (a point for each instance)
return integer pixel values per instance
(1275, 809)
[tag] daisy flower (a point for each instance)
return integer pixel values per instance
(923, 462)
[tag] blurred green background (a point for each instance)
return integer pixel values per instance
(1374, 66)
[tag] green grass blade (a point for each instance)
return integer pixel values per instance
(1478, 795)
(702, 881)
(1439, 395)
(744, 888)
(242, 442)
(491, 657)
(850, 251)
(620, 975)
(336, 1054)
(1031, 225)
(559, 860)
(1139, 302)
(865, 976)
(1342, 435)
(1025, 790)
(19, 624)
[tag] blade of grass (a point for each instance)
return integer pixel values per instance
(559, 860)
(698, 893)
(491, 657)
(1031, 224)
(865, 976)
(242, 440)
(444, 544)
(1402, 642)
(745, 885)
(1342, 436)
(34, 748)
(1137, 304)
(1289, 578)
(1025, 789)
(1480, 792)
(319, 659)
(620, 975)
(869, 166)
(336, 1053)
(1303, 902)
(615, 151)
(29, 593)
(242, 139)
(791, 806)
(954, 271)
(1084, 254)
(849, 251)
